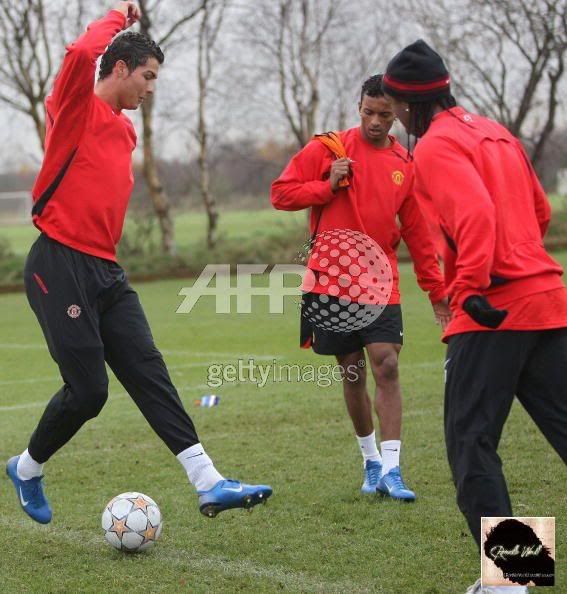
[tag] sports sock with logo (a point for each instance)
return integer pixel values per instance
(28, 468)
(199, 468)
(368, 447)
(390, 454)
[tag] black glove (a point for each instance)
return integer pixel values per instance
(480, 310)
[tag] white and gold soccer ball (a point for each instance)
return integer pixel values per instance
(131, 522)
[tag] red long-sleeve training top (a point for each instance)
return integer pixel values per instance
(380, 192)
(474, 180)
(82, 191)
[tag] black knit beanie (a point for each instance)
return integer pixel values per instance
(417, 73)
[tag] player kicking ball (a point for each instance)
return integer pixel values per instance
(87, 310)
(360, 180)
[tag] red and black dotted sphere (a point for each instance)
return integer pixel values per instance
(356, 275)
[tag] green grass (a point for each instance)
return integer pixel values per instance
(317, 534)
(190, 228)
(558, 202)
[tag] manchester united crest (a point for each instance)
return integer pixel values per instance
(73, 311)
(398, 177)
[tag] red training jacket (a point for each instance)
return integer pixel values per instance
(474, 180)
(380, 191)
(82, 191)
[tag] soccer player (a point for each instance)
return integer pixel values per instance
(87, 310)
(366, 191)
(508, 335)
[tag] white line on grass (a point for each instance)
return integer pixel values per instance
(204, 563)
(263, 357)
(33, 380)
(43, 403)
(53, 378)
(23, 406)
(199, 387)
(57, 378)
(22, 346)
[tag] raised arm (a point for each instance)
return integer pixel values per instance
(74, 83)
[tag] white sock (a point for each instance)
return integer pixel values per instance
(28, 468)
(368, 447)
(199, 468)
(390, 454)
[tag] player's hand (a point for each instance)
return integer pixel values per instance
(130, 10)
(479, 309)
(339, 169)
(442, 311)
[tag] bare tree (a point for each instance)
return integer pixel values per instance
(289, 37)
(507, 58)
(211, 22)
(32, 41)
(311, 56)
(352, 54)
(152, 19)
(27, 66)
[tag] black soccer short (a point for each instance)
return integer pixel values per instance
(387, 327)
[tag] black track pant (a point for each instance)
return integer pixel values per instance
(484, 370)
(89, 315)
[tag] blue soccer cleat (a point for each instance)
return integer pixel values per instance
(393, 485)
(230, 494)
(30, 494)
(372, 474)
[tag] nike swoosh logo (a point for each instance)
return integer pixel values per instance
(189, 457)
(390, 450)
(237, 490)
(446, 363)
(401, 333)
(22, 500)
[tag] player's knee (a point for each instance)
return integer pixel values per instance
(472, 457)
(92, 401)
(387, 370)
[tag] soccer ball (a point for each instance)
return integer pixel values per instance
(131, 522)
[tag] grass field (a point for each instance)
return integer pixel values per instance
(318, 534)
(190, 227)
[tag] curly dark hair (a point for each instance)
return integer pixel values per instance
(132, 48)
(372, 87)
(422, 112)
